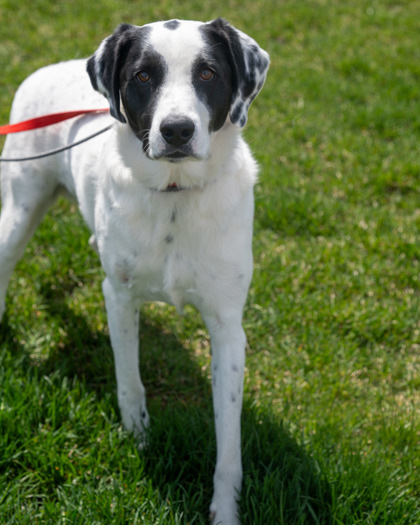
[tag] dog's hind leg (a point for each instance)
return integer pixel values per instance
(23, 206)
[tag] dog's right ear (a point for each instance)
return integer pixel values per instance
(105, 65)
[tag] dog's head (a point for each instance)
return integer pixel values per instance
(177, 82)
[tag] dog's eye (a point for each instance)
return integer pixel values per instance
(206, 74)
(143, 76)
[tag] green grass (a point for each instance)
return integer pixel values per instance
(330, 424)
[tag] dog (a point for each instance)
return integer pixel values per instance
(167, 193)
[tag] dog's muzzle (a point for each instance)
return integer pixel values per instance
(177, 134)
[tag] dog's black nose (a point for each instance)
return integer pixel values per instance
(177, 132)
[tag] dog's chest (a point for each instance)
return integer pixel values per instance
(155, 258)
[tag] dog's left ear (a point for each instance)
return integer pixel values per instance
(105, 65)
(249, 65)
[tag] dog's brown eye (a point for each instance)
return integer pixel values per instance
(206, 74)
(143, 76)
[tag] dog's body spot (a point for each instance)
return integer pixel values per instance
(124, 271)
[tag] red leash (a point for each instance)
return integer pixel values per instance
(46, 120)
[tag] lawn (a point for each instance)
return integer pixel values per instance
(331, 424)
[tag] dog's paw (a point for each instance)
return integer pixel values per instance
(224, 513)
(136, 421)
(141, 432)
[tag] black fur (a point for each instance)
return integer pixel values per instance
(217, 92)
(245, 61)
(172, 24)
(138, 97)
(111, 62)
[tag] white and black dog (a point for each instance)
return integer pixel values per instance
(167, 193)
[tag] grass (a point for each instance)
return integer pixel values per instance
(331, 423)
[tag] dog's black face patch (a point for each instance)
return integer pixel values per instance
(248, 62)
(105, 65)
(140, 81)
(212, 81)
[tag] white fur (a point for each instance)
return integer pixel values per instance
(191, 246)
(178, 97)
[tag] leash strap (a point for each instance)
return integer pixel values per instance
(46, 120)
(58, 150)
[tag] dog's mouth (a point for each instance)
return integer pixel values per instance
(176, 156)
(173, 154)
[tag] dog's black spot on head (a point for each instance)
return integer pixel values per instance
(172, 24)
(169, 238)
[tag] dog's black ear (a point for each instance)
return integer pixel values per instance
(105, 65)
(249, 64)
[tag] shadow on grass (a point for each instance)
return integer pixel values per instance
(282, 484)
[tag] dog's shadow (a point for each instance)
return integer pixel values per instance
(282, 484)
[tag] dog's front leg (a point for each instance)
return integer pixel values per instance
(228, 362)
(123, 321)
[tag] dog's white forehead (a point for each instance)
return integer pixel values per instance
(178, 41)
